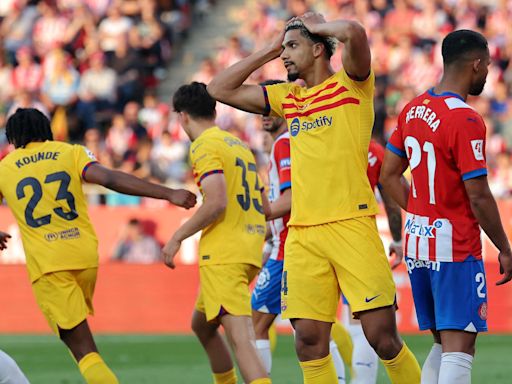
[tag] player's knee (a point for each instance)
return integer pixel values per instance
(310, 345)
(385, 345)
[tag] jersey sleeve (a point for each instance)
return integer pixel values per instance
(365, 88)
(375, 158)
(396, 143)
(282, 158)
(275, 95)
(205, 160)
(468, 144)
(83, 158)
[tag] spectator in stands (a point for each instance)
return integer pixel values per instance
(112, 27)
(135, 246)
(49, 29)
(131, 116)
(169, 157)
(27, 75)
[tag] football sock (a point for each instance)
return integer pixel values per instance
(263, 380)
(319, 371)
(263, 348)
(455, 368)
(338, 362)
(9, 370)
(95, 371)
(344, 342)
(228, 377)
(431, 366)
(403, 368)
(365, 362)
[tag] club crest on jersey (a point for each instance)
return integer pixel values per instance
(478, 149)
(417, 229)
(295, 127)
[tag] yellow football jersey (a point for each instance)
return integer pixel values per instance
(237, 236)
(330, 128)
(42, 184)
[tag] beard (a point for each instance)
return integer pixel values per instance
(292, 76)
(477, 89)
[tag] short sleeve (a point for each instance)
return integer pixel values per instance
(375, 159)
(468, 144)
(84, 158)
(274, 98)
(282, 159)
(205, 160)
(366, 88)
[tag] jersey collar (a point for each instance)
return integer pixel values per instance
(432, 93)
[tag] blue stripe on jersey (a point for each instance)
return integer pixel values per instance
(475, 173)
(395, 150)
(205, 175)
(267, 103)
(285, 185)
(86, 167)
(432, 93)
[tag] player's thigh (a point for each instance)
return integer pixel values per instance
(460, 296)
(62, 298)
(266, 296)
(458, 341)
(225, 290)
(262, 323)
(309, 286)
(422, 291)
(357, 254)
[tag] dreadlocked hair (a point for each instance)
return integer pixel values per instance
(27, 125)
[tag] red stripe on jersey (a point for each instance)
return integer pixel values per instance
(293, 97)
(339, 91)
(348, 100)
(432, 241)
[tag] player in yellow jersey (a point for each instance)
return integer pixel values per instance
(232, 219)
(41, 180)
(333, 241)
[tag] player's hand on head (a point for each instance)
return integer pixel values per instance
(169, 251)
(311, 20)
(3, 240)
(505, 259)
(396, 249)
(183, 198)
(277, 44)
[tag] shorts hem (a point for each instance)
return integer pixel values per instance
(366, 308)
(459, 328)
(309, 316)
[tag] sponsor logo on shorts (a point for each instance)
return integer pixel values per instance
(482, 311)
(68, 234)
(412, 264)
(369, 299)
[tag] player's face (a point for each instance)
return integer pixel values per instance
(480, 76)
(271, 124)
(297, 54)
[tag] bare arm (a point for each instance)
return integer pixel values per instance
(214, 205)
(391, 178)
(356, 54)
(228, 88)
(282, 206)
(131, 185)
(486, 212)
(394, 214)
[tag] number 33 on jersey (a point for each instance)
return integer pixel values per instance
(42, 184)
(444, 140)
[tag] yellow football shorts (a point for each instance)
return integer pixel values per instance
(65, 297)
(320, 260)
(225, 290)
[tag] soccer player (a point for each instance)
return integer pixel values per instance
(442, 140)
(332, 241)
(10, 373)
(41, 181)
(232, 218)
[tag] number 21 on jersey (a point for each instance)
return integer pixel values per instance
(416, 154)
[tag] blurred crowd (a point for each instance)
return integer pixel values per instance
(93, 66)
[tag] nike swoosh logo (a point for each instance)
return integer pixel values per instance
(371, 298)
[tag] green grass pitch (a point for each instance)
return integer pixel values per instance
(159, 359)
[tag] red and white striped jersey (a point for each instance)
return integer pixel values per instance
(444, 141)
(280, 180)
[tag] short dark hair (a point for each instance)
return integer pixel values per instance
(458, 44)
(27, 125)
(271, 82)
(194, 99)
(330, 43)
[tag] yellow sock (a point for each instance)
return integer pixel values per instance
(263, 380)
(403, 368)
(228, 377)
(343, 341)
(272, 336)
(319, 371)
(95, 371)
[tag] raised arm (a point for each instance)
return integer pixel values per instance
(356, 55)
(214, 205)
(228, 88)
(131, 185)
(486, 212)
